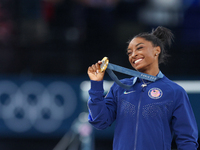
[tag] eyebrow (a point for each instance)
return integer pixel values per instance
(138, 44)
(135, 46)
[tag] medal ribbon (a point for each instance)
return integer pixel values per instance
(112, 67)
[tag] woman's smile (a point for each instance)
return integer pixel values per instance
(137, 61)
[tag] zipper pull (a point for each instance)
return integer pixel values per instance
(143, 88)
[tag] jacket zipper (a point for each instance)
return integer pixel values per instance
(137, 121)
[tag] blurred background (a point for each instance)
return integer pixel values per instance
(46, 47)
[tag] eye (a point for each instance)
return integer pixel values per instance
(128, 53)
(139, 47)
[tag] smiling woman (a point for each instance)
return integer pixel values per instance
(149, 114)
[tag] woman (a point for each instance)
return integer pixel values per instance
(150, 114)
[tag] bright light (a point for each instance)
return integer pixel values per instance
(162, 12)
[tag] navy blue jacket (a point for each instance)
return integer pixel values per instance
(146, 117)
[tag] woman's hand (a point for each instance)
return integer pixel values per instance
(94, 72)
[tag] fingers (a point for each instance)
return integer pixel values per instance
(95, 67)
(99, 62)
(90, 69)
(94, 72)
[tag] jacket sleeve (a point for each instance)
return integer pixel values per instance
(183, 123)
(102, 111)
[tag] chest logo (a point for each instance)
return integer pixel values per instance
(125, 92)
(155, 93)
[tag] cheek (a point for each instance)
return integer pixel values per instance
(150, 55)
(129, 59)
(149, 58)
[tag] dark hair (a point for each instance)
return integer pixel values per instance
(162, 37)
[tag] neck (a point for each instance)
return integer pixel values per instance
(152, 72)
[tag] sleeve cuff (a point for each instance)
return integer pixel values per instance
(97, 85)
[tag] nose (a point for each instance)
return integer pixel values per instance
(134, 54)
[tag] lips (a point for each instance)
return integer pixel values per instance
(138, 60)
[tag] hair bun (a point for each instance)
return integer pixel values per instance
(164, 34)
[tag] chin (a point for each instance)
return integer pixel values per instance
(140, 69)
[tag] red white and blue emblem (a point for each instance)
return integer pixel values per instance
(155, 93)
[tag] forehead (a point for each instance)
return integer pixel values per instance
(137, 41)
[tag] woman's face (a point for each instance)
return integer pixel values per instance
(143, 56)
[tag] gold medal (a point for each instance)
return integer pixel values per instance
(104, 64)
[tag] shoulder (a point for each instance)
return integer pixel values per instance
(172, 84)
(127, 81)
(173, 87)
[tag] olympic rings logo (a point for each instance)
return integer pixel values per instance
(32, 105)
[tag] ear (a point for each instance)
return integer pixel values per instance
(157, 50)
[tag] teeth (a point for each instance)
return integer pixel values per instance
(137, 61)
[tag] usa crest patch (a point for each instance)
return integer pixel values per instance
(155, 93)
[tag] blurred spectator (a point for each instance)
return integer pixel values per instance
(6, 24)
(99, 3)
(65, 36)
(6, 35)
